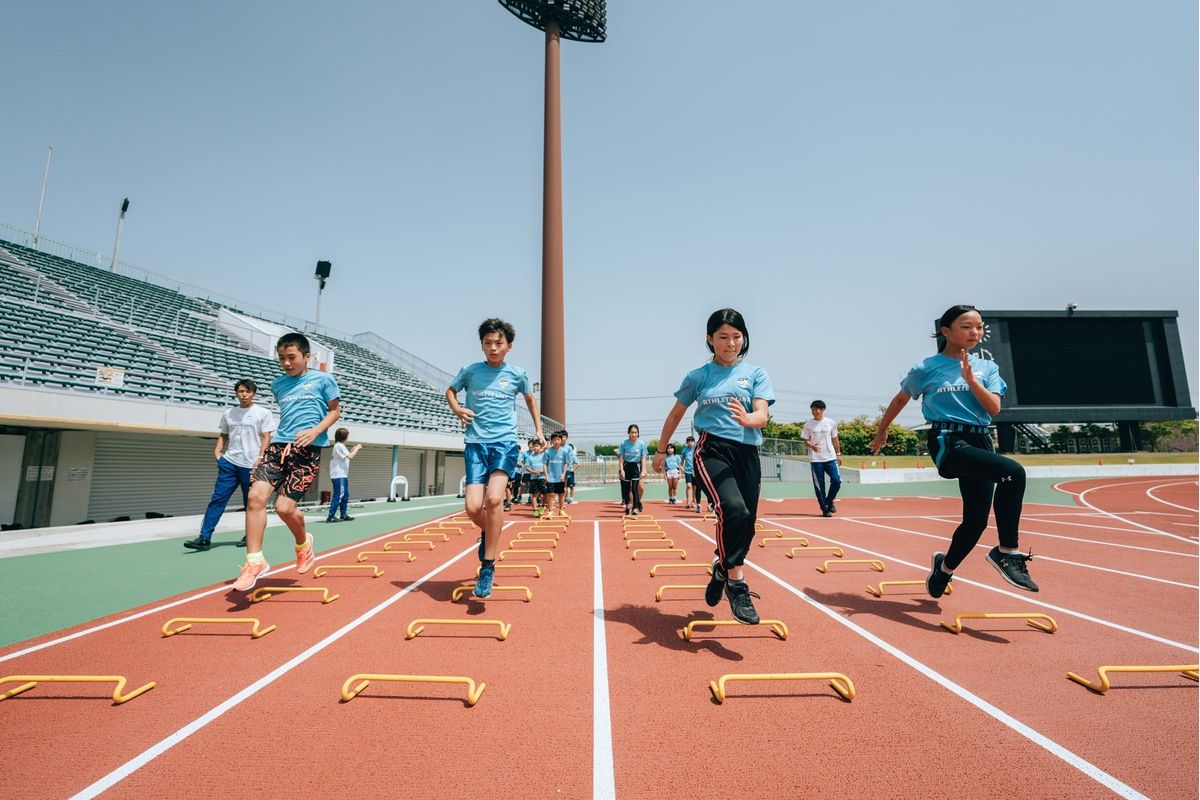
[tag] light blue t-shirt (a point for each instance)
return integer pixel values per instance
(569, 449)
(303, 403)
(673, 462)
(556, 465)
(712, 386)
(689, 458)
(945, 396)
(534, 462)
(632, 451)
(491, 394)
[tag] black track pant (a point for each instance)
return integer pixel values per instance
(731, 475)
(981, 472)
(629, 483)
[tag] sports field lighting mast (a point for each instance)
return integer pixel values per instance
(583, 21)
(322, 275)
(120, 230)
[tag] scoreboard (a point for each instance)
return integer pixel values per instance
(1088, 366)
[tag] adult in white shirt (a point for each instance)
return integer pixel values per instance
(243, 433)
(825, 454)
(339, 473)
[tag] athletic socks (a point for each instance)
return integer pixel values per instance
(256, 558)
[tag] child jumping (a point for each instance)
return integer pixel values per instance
(732, 397)
(960, 395)
(490, 387)
(308, 407)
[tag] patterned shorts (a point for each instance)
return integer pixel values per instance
(291, 475)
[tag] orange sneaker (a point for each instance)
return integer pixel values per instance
(304, 555)
(250, 575)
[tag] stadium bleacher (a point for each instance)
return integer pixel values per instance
(66, 321)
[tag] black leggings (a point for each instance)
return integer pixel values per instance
(629, 484)
(981, 472)
(731, 474)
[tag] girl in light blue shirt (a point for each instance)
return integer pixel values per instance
(732, 398)
(960, 393)
(631, 455)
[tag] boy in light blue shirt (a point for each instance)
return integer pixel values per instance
(490, 388)
(556, 474)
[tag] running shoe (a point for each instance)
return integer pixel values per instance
(304, 555)
(346, 518)
(249, 576)
(483, 584)
(199, 543)
(331, 519)
(740, 604)
(716, 585)
(938, 580)
(1011, 567)
(832, 508)
(827, 513)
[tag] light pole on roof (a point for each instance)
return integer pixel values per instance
(120, 229)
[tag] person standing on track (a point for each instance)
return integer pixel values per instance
(489, 416)
(960, 395)
(825, 456)
(672, 462)
(631, 457)
(339, 474)
(733, 397)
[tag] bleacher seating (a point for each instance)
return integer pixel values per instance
(64, 319)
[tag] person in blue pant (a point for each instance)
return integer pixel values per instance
(489, 417)
(825, 456)
(243, 433)
(960, 393)
(339, 474)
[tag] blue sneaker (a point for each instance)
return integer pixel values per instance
(483, 584)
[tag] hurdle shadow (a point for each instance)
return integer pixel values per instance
(662, 629)
(240, 601)
(923, 613)
(442, 591)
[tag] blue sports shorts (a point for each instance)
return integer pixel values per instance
(484, 458)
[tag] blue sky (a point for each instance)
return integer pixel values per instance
(839, 172)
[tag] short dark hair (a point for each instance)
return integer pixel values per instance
(564, 433)
(689, 439)
(249, 384)
(341, 434)
(556, 435)
(297, 340)
(817, 404)
(631, 428)
(947, 319)
(727, 316)
(497, 325)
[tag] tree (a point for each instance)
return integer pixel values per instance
(857, 434)
(605, 449)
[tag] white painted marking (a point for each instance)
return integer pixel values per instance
(1152, 496)
(1027, 532)
(1054, 748)
(604, 783)
(1023, 597)
(1083, 499)
(224, 587)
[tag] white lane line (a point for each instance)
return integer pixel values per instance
(1047, 518)
(224, 587)
(1026, 531)
(1150, 493)
(1083, 499)
(1025, 598)
(153, 752)
(1049, 745)
(604, 783)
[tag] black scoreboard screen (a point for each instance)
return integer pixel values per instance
(1084, 366)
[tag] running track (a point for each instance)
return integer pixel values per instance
(584, 703)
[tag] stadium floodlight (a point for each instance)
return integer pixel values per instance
(120, 229)
(583, 21)
(321, 275)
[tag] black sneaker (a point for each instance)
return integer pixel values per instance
(1011, 567)
(331, 519)
(346, 518)
(739, 595)
(827, 513)
(508, 506)
(242, 543)
(938, 580)
(199, 543)
(716, 585)
(832, 508)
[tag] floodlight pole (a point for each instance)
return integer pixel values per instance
(554, 378)
(317, 316)
(120, 229)
(37, 228)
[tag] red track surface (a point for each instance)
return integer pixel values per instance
(988, 713)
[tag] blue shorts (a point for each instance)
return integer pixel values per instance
(484, 458)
